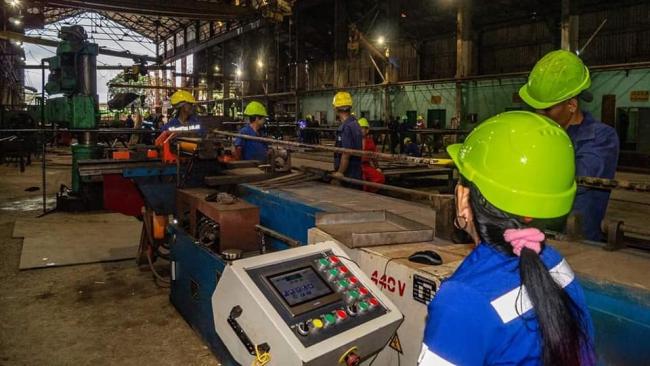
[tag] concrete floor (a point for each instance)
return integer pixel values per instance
(99, 314)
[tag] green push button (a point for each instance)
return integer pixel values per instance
(329, 319)
(334, 273)
(323, 263)
(363, 305)
(354, 294)
(344, 283)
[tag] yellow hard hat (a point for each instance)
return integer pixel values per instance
(364, 122)
(407, 140)
(342, 99)
(182, 96)
(420, 117)
(255, 108)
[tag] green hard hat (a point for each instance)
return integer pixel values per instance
(363, 122)
(255, 108)
(522, 162)
(558, 76)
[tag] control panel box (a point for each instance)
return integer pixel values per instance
(306, 306)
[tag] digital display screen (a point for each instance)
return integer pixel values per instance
(300, 286)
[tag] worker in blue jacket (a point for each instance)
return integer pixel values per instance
(348, 136)
(249, 149)
(185, 119)
(554, 86)
(514, 300)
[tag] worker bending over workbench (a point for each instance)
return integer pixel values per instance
(250, 149)
(514, 300)
(348, 136)
(553, 89)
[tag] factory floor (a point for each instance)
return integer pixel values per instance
(93, 314)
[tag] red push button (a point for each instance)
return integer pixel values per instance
(373, 302)
(363, 291)
(353, 280)
(341, 314)
(334, 259)
(344, 270)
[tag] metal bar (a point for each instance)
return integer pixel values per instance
(116, 85)
(370, 154)
(429, 195)
(99, 67)
(604, 183)
(51, 43)
(177, 9)
(593, 35)
(43, 141)
(98, 130)
(274, 234)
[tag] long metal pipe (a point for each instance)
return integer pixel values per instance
(354, 152)
(387, 187)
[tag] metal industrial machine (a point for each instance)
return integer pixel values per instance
(302, 306)
(73, 73)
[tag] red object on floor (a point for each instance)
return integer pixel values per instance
(121, 195)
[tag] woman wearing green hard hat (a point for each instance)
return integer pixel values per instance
(514, 300)
(554, 88)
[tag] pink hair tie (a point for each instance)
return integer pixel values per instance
(530, 238)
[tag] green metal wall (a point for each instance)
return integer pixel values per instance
(483, 97)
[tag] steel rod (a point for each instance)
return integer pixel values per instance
(274, 234)
(428, 195)
(354, 152)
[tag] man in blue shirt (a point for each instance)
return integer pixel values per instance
(554, 86)
(348, 136)
(185, 119)
(250, 149)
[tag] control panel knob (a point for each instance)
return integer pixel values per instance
(352, 309)
(351, 296)
(341, 315)
(322, 264)
(333, 274)
(329, 319)
(303, 328)
(363, 306)
(363, 291)
(342, 285)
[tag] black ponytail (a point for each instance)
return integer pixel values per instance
(561, 323)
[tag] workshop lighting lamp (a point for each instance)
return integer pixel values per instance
(216, 68)
(260, 64)
(381, 40)
(13, 3)
(16, 20)
(238, 72)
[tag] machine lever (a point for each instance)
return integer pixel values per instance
(235, 313)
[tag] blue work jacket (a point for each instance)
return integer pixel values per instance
(483, 316)
(596, 147)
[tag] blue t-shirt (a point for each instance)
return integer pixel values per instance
(480, 316)
(251, 150)
(412, 149)
(596, 147)
(349, 136)
(193, 125)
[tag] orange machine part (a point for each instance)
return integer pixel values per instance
(159, 224)
(121, 155)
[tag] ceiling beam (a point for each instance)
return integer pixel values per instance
(8, 35)
(192, 9)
